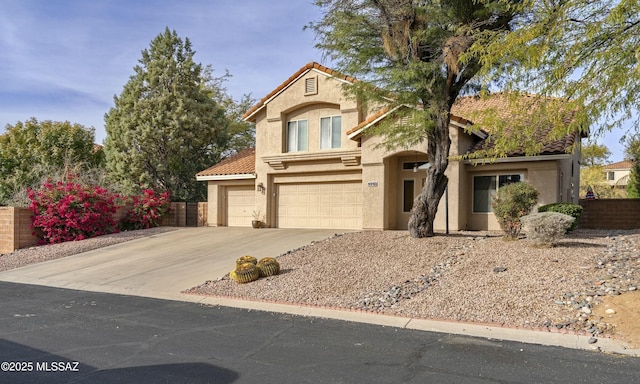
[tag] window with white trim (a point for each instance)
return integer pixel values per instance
(330, 132)
(297, 135)
(485, 188)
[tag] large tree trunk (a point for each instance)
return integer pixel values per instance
(425, 205)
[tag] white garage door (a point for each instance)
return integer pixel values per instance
(241, 202)
(320, 205)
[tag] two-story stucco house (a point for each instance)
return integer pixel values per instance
(617, 174)
(314, 166)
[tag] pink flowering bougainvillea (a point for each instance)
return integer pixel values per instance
(69, 211)
(147, 211)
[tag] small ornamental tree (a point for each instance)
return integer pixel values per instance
(511, 203)
(147, 212)
(70, 211)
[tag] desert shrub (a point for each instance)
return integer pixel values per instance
(511, 203)
(546, 228)
(147, 211)
(573, 210)
(69, 211)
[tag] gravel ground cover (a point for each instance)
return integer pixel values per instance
(466, 276)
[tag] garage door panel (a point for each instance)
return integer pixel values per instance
(240, 205)
(320, 205)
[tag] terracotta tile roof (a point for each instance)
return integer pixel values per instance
(463, 112)
(243, 162)
(469, 106)
(625, 164)
(291, 79)
(369, 120)
(555, 147)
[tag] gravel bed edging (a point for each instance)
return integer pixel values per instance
(587, 247)
(564, 331)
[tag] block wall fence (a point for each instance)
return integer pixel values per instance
(15, 229)
(16, 233)
(610, 214)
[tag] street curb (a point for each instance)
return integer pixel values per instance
(530, 336)
(558, 338)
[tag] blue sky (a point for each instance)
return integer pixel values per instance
(65, 60)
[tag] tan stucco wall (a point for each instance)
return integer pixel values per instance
(379, 171)
(542, 175)
(274, 165)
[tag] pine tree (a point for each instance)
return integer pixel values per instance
(166, 125)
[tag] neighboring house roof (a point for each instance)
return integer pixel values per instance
(621, 165)
(241, 164)
(310, 66)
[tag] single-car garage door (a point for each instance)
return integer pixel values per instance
(320, 205)
(241, 202)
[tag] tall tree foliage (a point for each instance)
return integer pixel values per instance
(633, 154)
(592, 171)
(31, 150)
(409, 53)
(241, 134)
(583, 51)
(166, 125)
(594, 154)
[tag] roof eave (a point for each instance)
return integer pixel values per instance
(239, 176)
(311, 67)
(516, 159)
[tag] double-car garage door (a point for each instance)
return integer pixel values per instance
(320, 205)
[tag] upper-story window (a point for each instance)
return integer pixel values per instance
(611, 176)
(297, 135)
(330, 132)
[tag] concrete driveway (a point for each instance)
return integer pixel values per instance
(162, 265)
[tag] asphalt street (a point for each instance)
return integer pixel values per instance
(54, 335)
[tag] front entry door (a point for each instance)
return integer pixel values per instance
(409, 187)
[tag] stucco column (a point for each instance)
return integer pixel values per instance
(373, 193)
(213, 208)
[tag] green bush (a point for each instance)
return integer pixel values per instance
(573, 210)
(546, 228)
(511, 203)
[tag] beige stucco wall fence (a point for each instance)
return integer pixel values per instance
(16, 233)
(610, 214)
